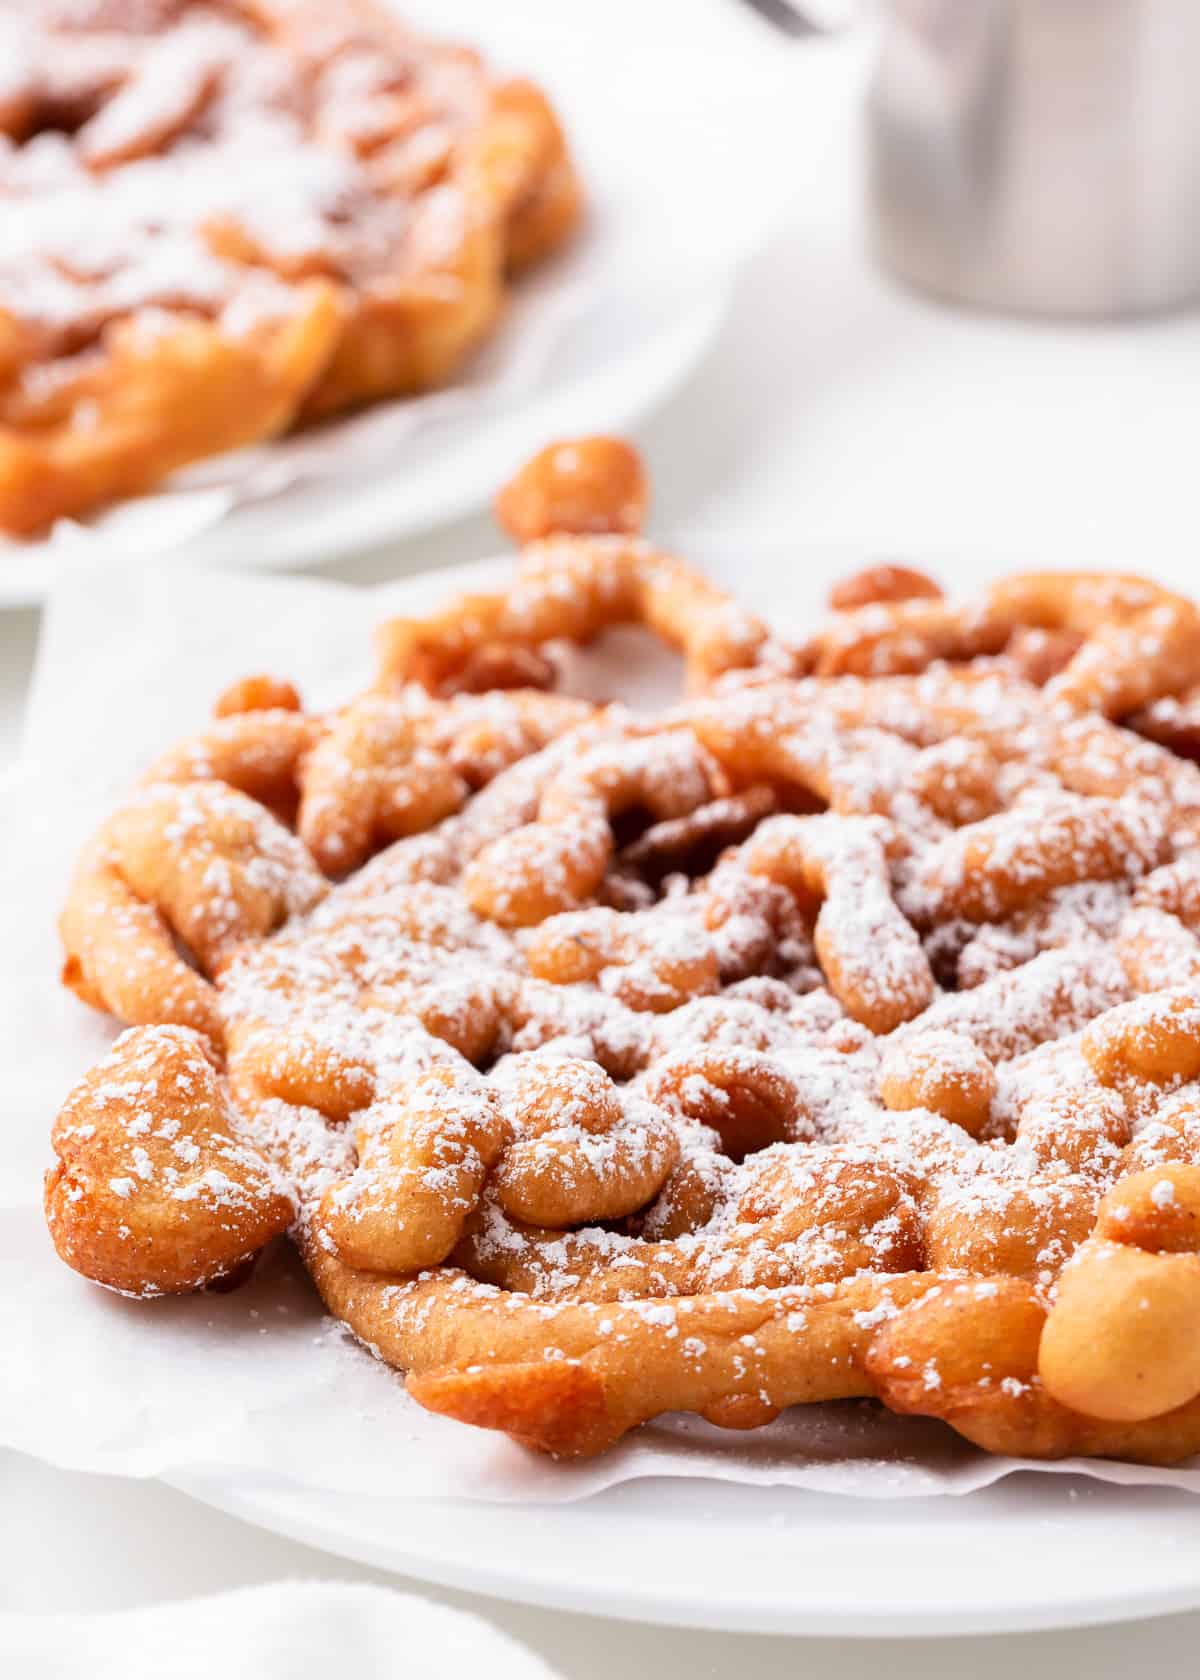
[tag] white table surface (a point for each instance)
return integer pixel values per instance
(850, 415)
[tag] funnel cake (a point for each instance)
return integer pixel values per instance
(227, 218)
(835, 1032)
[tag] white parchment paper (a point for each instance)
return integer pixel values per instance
(259, 1382)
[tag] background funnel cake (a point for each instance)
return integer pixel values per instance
(227, 218)
(833, 1033)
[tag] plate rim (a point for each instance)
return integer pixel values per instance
(607, 399)
(473, 1570)
(306, 1515)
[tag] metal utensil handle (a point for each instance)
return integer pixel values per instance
(800, 18)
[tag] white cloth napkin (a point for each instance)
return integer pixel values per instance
(302, 1629)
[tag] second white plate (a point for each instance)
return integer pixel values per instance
(322, 521)
(1031, 1552)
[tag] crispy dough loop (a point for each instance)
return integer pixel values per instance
(811, 749)
(958, 780)
(372, 778)
(968, 1352)
(475, 1353)
(542, 195)
(695, 1188)
(1156, 949)
(1175, 889)
(154, 1191)
(1173, 721)
(465, 1012)
(1065, 917)
(557, 862)
(583, 485)
(1120, 1340)
(825, 1215)
(1055, 993)
(788, 1217)
(257, 750)
(906, 636)
(216, 863)
(1138, 640)
(1154, 1038)
(582, 1150)
(1038, 655)
(992, 1221)
(883, 584)
(952, 1351)
(943, 1071)
(119, 954)
(198, 861)
(870, 955)
(424, 1152)
(1084, 1129)
(569, 588)
(258, 693)
(298, 1068)
(694, 841)
(645, 959)
(746, 1096)
(483, 734)
(991, 868)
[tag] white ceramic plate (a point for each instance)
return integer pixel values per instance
(308, 526)
(1034, 1551)
(669, 142)
(1031, 1552)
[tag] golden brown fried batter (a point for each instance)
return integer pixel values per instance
(834, 1034)
(247, 218)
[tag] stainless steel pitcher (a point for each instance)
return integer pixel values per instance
(1039, 156)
